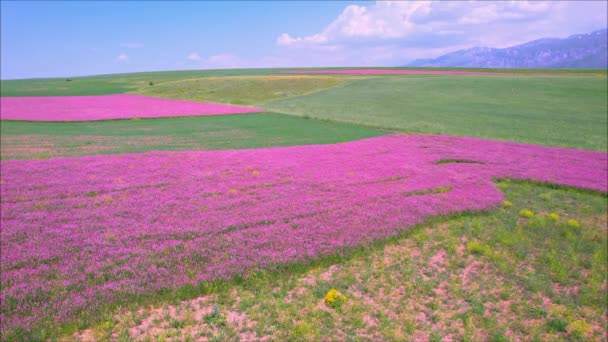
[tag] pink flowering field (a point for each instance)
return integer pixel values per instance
(393, 72)
(107, 107)
(81, 232)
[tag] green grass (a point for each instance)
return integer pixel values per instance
(484, 276)
(110, 84)
(242, 90)
(31, 140)
(567, 111)
(120, 83)
(61, 87)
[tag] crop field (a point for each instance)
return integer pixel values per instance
(315, 215)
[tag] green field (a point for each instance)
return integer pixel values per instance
(565, 111)
(110, 84)
(27, 140)
(121, 83)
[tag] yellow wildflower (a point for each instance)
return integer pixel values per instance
(526, 213)
(334, 298)
(573, 223)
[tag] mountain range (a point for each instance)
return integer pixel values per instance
(579, 51)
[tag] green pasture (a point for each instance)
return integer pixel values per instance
(567, 111)
(27, 140)
(121, 83)
(110, 84)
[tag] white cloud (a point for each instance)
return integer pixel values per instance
(225, 61)
(287, 40)
(398, 31)
(194, 56)
(132, 45)
(122, 58)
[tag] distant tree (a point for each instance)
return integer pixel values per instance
(151, 83)
(68, 79)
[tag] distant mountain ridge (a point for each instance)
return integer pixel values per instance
(579, 51)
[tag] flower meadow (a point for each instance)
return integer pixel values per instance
(78, 233)
(107, 107)
(393, 72)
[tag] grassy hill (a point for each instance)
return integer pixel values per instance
(567, 111)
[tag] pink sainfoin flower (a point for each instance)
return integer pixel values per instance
(79, 232)
(107, 107)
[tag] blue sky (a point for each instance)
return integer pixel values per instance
(46, 39)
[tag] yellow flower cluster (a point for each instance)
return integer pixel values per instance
(573, 223)
(334, 298)
(526, 213)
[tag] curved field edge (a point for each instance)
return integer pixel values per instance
(529, 109)
(42, 140)
(469, 244)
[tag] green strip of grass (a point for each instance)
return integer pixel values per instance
(567, 111)
(33, 140)
(111, 83)
(62, 87)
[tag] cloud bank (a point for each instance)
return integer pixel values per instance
(397, 31)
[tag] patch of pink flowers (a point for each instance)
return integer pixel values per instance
(107, 107)
(81, 232)
(393, 72)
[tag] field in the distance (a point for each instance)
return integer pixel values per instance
(109, 84)
(120, 83)
(565, 111)
(533, 268)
